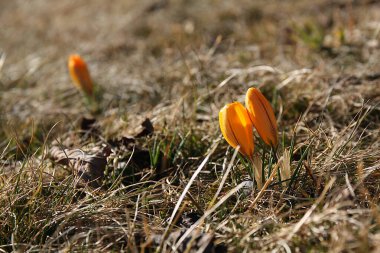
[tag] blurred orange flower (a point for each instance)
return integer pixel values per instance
(80, 75)
(236, 128)
(262, 116)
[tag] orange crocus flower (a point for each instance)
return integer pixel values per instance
(236, 128)
(262, 116)
(80, 74)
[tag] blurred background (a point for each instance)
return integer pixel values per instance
(147, 53)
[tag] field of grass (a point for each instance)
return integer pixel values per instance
(145, 168)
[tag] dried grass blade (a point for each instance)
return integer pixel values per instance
(272, 175)
(207, 213)
(181, 198)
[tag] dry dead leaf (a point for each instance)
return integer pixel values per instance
(90, 167)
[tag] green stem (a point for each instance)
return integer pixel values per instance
(274, 150)
(263, 167)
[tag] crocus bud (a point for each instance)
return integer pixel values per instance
(236, 128)
(261, 114)
(80, 74)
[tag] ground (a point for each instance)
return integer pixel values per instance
(144, 167)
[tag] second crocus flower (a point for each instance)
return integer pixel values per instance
(262, 116)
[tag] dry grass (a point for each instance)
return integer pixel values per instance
(177, 63)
